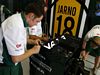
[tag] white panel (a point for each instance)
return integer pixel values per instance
(83, 20)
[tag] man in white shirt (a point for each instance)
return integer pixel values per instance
(91, 43)
(13, 36)
(35, 32)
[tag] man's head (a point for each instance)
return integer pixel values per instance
(42, 3)
(34, 12)
(95, 42)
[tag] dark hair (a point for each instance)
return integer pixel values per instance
(93, 41)
(41, 2)
(36, 8)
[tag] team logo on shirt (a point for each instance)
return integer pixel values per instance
(18, 45)
(98, 34)
(33, 29)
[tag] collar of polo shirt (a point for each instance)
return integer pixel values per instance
(24, 20)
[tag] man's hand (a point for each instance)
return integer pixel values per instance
(37, 42)
(36, 49)
(83, 55)
(45, 37)
(37, 46)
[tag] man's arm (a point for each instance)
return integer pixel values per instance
(34, 37)
(27, 54)
(84, 53)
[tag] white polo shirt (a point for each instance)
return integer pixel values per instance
(36, 30)
(14, 34)
(1, 47)
(95, 31)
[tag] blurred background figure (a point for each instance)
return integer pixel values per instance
(91, 44)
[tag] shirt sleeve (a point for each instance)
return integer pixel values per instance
(32, 30)
(87, 36)
(39, 29)
(14, 35)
